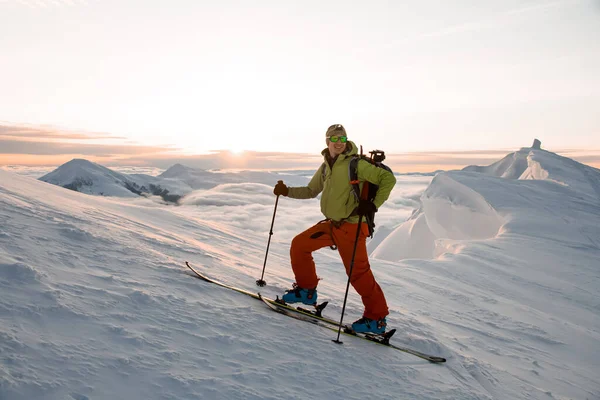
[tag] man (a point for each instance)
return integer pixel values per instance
(342, 210)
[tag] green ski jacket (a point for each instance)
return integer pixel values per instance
(338, 201)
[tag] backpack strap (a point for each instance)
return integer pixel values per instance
(354, 181)
(353, 176)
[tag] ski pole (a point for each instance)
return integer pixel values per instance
(349, 276)
(261, 281)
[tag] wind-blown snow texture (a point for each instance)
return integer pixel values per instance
(503, 280)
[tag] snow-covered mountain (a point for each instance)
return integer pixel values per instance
(95, 302)
(92, 178)
(512, 166)
(87, 177)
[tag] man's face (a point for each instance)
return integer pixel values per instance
(336, 145)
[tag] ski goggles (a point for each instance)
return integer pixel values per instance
(335, 139)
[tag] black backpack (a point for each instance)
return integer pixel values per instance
(369, 189)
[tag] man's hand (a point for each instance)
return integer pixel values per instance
(365, 207)
(281, 189)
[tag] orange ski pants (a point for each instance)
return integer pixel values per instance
(326, 234)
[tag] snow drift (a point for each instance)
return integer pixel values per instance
(473, 205)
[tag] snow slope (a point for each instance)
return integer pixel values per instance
(96, 304)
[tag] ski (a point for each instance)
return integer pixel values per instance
(312, 317)
(316, 314)
(383, 339)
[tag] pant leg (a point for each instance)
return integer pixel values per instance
(303, 265)
(362, 278)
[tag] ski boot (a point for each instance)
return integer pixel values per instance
(367, 325)
(299, 295)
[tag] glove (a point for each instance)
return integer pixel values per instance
(281, 189)
(366, 207)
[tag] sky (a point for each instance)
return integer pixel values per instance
(153, 78)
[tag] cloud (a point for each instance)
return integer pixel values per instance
(234, 195)
(8, 146)
(37, 133)
(26, 145)
(42, 141)
(32, 172)
(23, 142)
(224, 159)
(249, 209)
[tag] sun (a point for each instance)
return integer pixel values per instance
(236, 150)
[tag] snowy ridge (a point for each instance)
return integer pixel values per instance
(543, 165)
(538, 164)
(454, 206)
(511, 166)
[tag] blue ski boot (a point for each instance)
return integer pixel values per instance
(299, 295)
(366, 325)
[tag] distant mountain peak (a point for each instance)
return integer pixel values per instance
(179, 167)
(79, 161)
(177, 170)
(77, 166)
(535, 163)
(88, 177)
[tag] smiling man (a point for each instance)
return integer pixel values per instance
(341, 209)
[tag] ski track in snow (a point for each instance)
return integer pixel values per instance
(97, 304)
